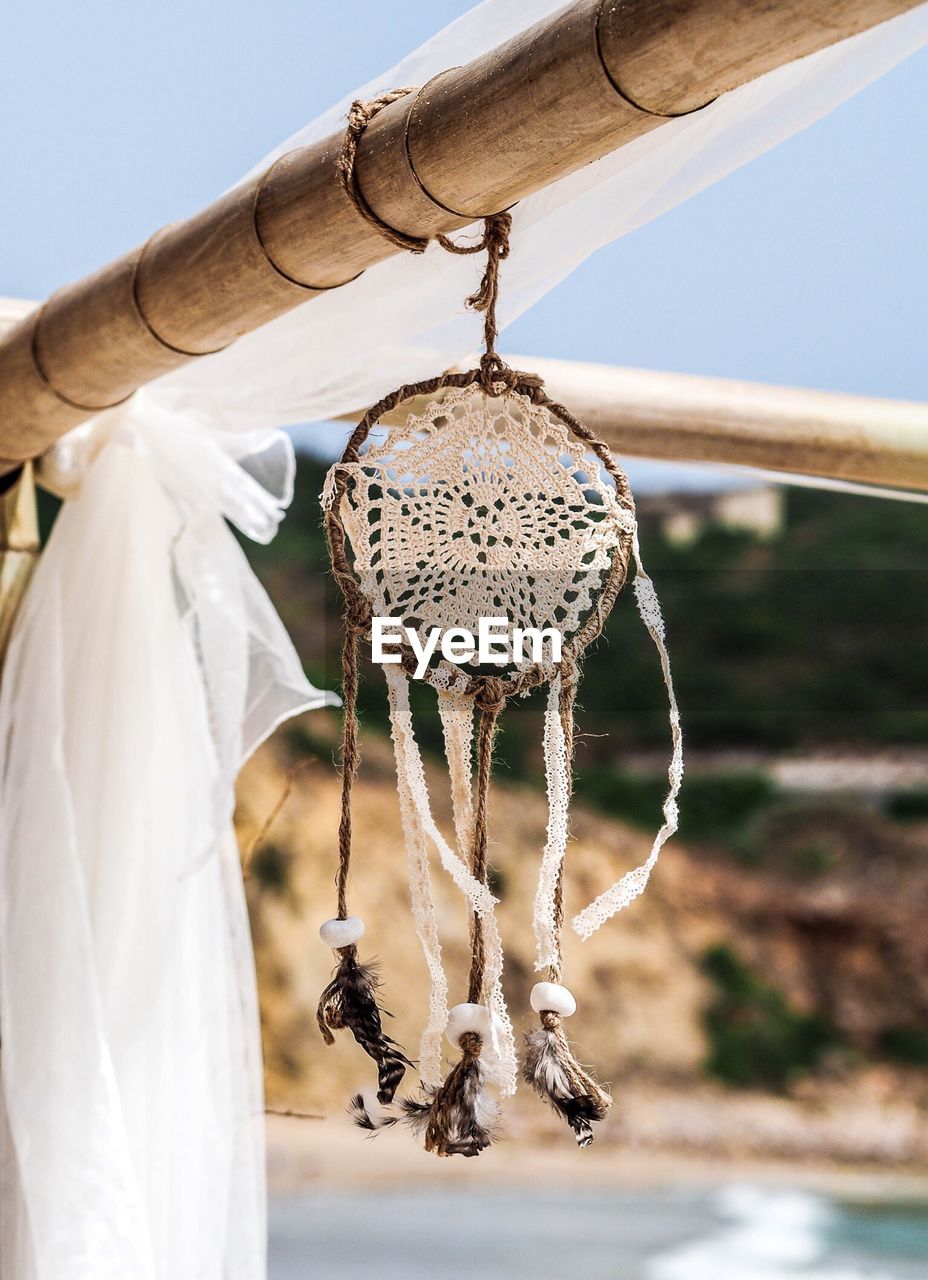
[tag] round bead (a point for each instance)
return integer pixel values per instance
(467, 1017)
(551, 997)
(341, 933)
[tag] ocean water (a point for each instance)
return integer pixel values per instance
(737, 1233)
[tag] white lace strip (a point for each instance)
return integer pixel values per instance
(457, 722)
(557, 777)
(633, 883)
(423, 902)
(409, 761)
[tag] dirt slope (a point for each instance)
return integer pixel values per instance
(849, 945)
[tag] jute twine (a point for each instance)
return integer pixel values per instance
(494, 376)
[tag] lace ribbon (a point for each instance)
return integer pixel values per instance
(633, 883)
(409, 765)
(557, 776)
(420, 885)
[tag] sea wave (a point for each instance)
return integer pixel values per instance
(765, 1234)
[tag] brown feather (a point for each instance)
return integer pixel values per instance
(349, 1003)
(554, 1073)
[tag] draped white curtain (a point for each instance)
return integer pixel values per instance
(146, 663)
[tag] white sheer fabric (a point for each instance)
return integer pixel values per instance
(146, 662)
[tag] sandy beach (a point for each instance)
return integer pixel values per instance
(331, 1155)
(346, 1206)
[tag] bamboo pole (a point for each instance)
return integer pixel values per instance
(695, 419)
(19, 547)
(473, 140)
(683, 418)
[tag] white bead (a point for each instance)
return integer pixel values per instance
(551, 997)
(467, 1017)
(341, 933)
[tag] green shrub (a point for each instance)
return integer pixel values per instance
(718, 806)
(303, 741)
(909, 806)
(713, 807)
(635, 797)
(810, 860)
(775, 645)
(270, 868)
(497, 881)
(756, 1040)
(906, 1045)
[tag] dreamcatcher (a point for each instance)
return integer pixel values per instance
(486, 501)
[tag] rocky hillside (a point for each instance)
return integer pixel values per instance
(774, 1009)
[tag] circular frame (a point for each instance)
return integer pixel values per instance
(358, 615)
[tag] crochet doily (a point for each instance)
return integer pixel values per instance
(483, 507)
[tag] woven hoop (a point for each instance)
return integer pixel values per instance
(487, 689)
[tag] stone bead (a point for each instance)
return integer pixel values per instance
(341, 933)
(467, 1017)
(551, 997)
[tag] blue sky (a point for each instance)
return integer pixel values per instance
(807, 267)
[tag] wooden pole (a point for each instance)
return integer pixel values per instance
(683, 418)
(474, 140)
(811, 433)
(19, 547)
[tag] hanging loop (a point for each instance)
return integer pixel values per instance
(494, 241)
(359, 117)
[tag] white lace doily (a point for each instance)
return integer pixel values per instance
(484, 507)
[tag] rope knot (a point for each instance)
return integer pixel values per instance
(496, 236)
(490, 694)
(471, 1044)
(569, 672)
(493, 369)
(358, 615)
(359, 117)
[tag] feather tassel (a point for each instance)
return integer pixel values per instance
(458, 1118)
(349, 1002)
(366, 1111)
(554, 1073)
